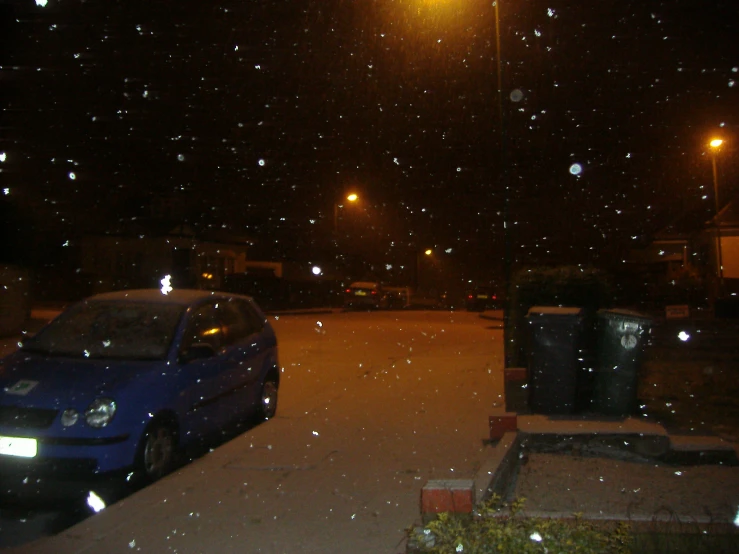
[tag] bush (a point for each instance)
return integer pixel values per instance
(584, 287)
(573, 286)
(514, 534)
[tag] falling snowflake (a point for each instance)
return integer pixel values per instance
(166, 284)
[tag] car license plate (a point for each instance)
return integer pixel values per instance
(361, 293)
(483, 296)
(18, 446)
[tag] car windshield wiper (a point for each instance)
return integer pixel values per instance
(58, 353)
(34, 349)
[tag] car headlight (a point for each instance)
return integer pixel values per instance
(70, 416)
(100, 412)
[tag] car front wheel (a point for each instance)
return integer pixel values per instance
(267, 400)
(157, 451)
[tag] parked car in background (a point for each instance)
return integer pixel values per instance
(121, 381)
(483, 298)
(452, 300)
(364, 295)
(396, 298)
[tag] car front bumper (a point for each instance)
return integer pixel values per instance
(52, 481)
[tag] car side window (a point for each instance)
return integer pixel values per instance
(234, 324)
(204, 327)
(256, 322)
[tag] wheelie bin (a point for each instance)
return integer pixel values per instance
(554, 344)
(622, 336)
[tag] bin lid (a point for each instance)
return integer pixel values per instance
(625, 315)
(554, 310)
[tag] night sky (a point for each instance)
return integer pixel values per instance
(256, 116)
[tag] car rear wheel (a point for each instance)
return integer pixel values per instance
(157, 451)
(267, 399)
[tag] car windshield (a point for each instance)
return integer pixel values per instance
(103, 329)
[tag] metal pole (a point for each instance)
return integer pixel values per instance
(418, 270)
(336, 221)
(719, 253)
(508, 356)
(497, 57)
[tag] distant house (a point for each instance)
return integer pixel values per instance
(136, 260)
(718, 244)
(694, 244)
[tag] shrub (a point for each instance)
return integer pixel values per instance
(514, 534)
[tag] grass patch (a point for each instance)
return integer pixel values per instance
(684, 543)
(490, 532)
(502, 528)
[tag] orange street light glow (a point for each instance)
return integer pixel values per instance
(715, 143)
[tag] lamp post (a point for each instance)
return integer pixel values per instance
(341, 264)
(419, 256)
(715, 145)
(503, 181)
(349, 198)
(508, 354)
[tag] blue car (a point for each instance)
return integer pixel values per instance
(120, 382)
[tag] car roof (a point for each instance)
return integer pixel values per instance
(364, 285)
(182, 297)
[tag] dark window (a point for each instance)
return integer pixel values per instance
(255, 321)
(204, 327)
(236, 326)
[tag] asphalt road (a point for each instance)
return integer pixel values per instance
(372, 405)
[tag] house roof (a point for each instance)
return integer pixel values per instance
(729, 214)
(694, 220)
(684, 226)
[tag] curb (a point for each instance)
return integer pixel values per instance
(498, 472)
(629, 439)
(494, 476)
(306, 311)
(490, 317)
(449, 495)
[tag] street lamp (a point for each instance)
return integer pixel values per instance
(353, 197)
(419, 255)
(715, 145)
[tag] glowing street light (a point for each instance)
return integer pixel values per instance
(353, 197)
(715, 145)
(428, 252)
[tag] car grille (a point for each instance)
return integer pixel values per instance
(26, 418)
(58, 467)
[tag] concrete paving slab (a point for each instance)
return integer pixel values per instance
(693, 443)
(557, 484)
(587, 425)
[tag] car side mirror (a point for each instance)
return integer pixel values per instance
(198, 351)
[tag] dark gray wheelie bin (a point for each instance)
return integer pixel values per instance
(554, 339)
(622, 336)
